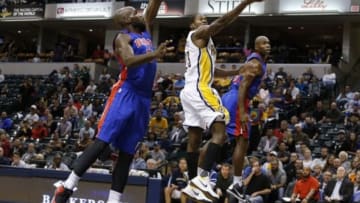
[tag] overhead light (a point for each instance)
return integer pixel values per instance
(302, 27)
(90, 30)
(19, 31)
(289, 28)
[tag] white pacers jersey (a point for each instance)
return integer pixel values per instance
(200, 63)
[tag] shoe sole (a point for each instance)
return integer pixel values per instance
(188, 196)
(206, 193)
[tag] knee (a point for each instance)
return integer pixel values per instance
(219, 138)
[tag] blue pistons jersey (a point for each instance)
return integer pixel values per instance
(126, 115)
(230, 99)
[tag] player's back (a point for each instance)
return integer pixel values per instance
(200, 63)
(140, 78)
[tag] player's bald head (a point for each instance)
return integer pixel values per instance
(122, 16)
(261, 39)
(262, 45)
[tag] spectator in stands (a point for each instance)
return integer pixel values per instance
(17, 161)
(27, 92)
(310, 128)
(70, 111)
(152, 166)
(329, 82)
(223, 182)
(80, 87)
(56, 109)
(91, 88)
(339, 189)
(333, 115)
(264, 94)
(57, 163)
(277, 98)
(307, 188)
(177, 181)
(39, 131)
(281, 73)
(32, 116)
(258, 185)
(314, 89)
(343, 156)
(319, 113)
(64, 127)
(321, 161)
(64, 96)
(293, 90)
(268, 142)
(356, 197)
(2, 76)
(56, 144)
(281, 132)
(158, 154)
(179, 82)
(271, 156)
(84, 142)
(3, 159)
(308, 75)
(278, 180)
(283, 153)
(5, 143)
(25, 130)
(138, 161)
(86, 129)
(299, 136)
(326, 178)
(307, 162)
(98, 52)
(294, 164)
(177, 134)
(158, 124)
(345, 96)
(17, 147)
(87, 109)
(30, 153)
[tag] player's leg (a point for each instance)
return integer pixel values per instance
(130, 128)
(89, 156)
(193, 145)
(119, 177)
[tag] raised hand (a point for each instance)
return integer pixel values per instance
(163, 49)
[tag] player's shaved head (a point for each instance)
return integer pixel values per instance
(122, 15)
(262, 45)
(261, 39)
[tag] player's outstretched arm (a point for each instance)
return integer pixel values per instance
(250, 70)
(219, 24)
(130, 60)
(151, 12)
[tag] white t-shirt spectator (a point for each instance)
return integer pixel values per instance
(87, 110)
(83, 130)
(329, 79)
(31, 118)
(90, 88)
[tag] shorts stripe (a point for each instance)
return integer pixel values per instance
(111, 98)
(203, 71)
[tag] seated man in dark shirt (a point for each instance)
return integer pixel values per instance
(257, 185)
(177, 181)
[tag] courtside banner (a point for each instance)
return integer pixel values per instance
(167, 8)
(21, 11)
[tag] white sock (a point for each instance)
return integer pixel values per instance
(237, 179)
(114, 197)
(72, 181)
(199, 171)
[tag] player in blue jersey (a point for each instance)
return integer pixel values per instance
(126, 115)
(243, 88)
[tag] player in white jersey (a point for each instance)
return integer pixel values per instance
(202, 104)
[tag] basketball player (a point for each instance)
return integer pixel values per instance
(201, 103)
(126, 114)
(244, 87)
